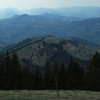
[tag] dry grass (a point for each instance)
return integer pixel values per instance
(48, 95)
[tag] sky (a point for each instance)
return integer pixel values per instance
(28, 4)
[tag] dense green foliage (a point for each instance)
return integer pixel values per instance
(14, 75)
(93, 74)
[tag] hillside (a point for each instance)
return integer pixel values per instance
(83, 41)
(24, 26)
(21, 27)
(37, 50)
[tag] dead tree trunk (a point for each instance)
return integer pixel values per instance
(57, 86)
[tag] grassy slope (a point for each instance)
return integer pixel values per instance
(34, 49)
(48, 95)
(77, 50)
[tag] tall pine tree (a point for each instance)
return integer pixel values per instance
(46, 79)
(62, 77)
(5, 72)
(37, 80)
(93, 73)
(75, 74)
(26, 78)
(16, 72)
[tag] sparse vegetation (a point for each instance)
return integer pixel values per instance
(55, 48)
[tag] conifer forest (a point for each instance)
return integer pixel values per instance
(15, 75)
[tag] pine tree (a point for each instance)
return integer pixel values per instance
(71, 62)
(62, 77)
(93, 73)
(37, 80)
(16, 71)
(75, 75)
(26, 78)
(5, 72)
(46, 79)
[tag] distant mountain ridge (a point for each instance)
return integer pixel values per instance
(20, 27)
(30, 41)
(78, 12)
(8, 13)
(26, 24)
(83, 41)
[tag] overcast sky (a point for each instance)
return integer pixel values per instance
(28, 4)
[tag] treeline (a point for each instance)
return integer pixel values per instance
(14, 75)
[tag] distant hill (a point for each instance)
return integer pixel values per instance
(83, 41)
(35, 51)
(54, 17)
(8, 13)
(20, 27)
(87, 29)
(76, 11)
(80, 12)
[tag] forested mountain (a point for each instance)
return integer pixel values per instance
(83, 41)
(35, 51)
(24, 26)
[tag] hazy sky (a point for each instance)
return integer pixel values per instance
(28, 4)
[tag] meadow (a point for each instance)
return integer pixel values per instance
(48, 95)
